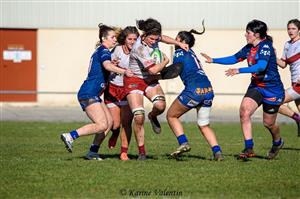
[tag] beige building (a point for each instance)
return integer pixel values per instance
(67, 33)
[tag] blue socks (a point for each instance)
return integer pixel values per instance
(182, 139)
(74, 134)
(249, 144)
(277, 143)
(94, 148)
(216, 149)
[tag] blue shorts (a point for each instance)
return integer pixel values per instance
(86, 102)
(271, 96)
(193, 98)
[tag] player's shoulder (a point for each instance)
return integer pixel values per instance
(266, 44)
(118, 49)
(179, 53)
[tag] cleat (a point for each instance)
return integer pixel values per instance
(68, 140)
(247, 153)
(298, 128)
(154, 123)
(218, 156)
(185, 147)
(92, 156)
(124, 157)
(274, 151)
(112, 141)
(142, 157)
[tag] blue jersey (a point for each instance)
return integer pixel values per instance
(97, 78)
(192, 74)
(269, 78)
(198, 90)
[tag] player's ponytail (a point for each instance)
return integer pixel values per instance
(199, 33)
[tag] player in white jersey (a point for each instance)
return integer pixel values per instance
(143, 83)
(291, 56)
(115, 96)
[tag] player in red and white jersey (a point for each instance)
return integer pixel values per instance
(291, 56)
(115, 96)
(143, 82)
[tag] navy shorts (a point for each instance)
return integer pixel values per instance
(192, 99)
(86, 102)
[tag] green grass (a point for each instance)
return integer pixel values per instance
(34, 164)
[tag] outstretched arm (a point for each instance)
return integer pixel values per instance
(168, 40)
(256, 68)
(223, 60)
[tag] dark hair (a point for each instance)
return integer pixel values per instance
(294, 21)
(188, 37)
(103, 31)
(125, 32)
(260, 27)
(149, 26)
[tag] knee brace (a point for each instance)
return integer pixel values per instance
(138, 111)
(203, 116)
(157, 98)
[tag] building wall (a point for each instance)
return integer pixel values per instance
(219, 14)
(63, 59)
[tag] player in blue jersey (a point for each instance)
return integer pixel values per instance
(198, 94)
(265, 88)
(92, 88)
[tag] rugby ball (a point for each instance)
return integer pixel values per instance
(156, 55)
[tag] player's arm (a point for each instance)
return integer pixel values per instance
(281, 63)
(256, 68)
(223, 60)
(109, 66)
(168, 40)
(154, 69)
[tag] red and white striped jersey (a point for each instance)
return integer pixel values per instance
(291, 55)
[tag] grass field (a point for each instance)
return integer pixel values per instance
(35, 164)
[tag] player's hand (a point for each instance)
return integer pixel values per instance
(232, 72)
(208, 58)
(128, 73)
(184, 46)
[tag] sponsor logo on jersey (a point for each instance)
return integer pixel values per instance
(132, 86)
(265, 52)
(266, 46)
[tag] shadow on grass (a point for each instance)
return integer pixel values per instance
(117, 157)
(185, 157)
(290, 149)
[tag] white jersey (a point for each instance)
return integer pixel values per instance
(118, 53)
(140, 59)
(291, 55)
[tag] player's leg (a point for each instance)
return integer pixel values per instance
(156, 95)
(249, 104)
(297, 102)
(290, 95)
(203, 115)
(136, 103)
(174, 112)
(126, 131)
(95, 112)
(115, 112)
(269, 120)
(98, 139)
